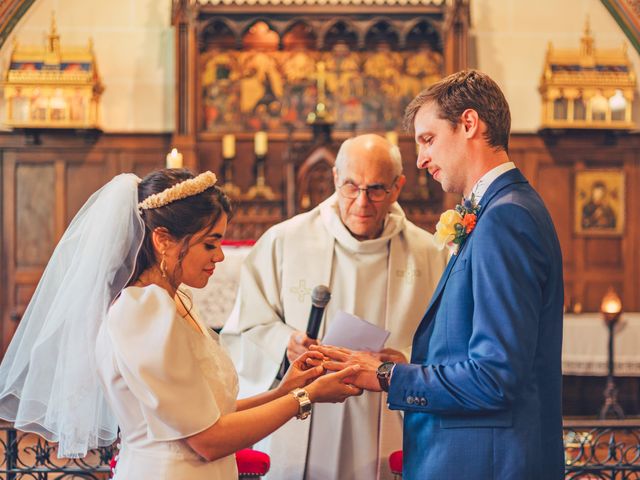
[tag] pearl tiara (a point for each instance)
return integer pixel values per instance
(187, 188)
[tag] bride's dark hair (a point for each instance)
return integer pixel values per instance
(182, 218)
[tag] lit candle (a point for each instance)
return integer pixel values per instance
(174, 159)
(228, 146)
(611, 302)
(392, 137)
(260, 144)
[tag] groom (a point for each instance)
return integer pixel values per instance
(482, 394)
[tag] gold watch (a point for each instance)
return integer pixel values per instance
(302, 396)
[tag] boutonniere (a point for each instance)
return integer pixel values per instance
(455, 225)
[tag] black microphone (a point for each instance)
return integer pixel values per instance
(320, 296)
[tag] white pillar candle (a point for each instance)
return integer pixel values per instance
(260, 144)
(174, 159)
(228, 146)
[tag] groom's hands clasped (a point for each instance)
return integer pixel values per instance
(340, 358)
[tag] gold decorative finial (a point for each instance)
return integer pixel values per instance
(54, 29)
(587, 40)
(53, 46)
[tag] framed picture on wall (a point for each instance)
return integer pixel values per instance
(599, 202)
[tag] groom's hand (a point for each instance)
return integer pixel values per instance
(340, 358)
(391, 355)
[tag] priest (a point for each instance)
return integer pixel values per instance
(379, 266)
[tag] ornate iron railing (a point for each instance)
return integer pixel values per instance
(602, 449)
(594, 450)
(28, 456)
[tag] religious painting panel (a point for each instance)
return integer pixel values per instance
(599, 202)
(263, 87)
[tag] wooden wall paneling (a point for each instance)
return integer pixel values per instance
(36, 216)
(80, 181)
(60, 200)
(555, 187)
(630, 257)
(8, 314)
(604, 254)
(579, 283)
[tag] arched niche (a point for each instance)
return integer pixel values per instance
(260, 35)
(314, 181)
(382, 33)
(342, 32)
(299, 35)
(422, 34)
(218, 34)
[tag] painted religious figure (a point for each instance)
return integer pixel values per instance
(600, 202)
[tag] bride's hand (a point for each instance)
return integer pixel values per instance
(334, 387)
(301, 372)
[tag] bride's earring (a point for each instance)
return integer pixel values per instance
(163, 266)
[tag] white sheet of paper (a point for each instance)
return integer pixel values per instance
(352, 332)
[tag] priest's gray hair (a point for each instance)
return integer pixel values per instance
(394, 156)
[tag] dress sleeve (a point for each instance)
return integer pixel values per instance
(155, 357)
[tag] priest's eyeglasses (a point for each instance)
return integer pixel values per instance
(375, 193)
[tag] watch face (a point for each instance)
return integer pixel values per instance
(384, 375)
(385, 368)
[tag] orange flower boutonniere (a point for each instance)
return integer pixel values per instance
(455, 225)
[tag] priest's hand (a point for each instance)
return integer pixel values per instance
(302, 371)
(341, 358)
(298, 344)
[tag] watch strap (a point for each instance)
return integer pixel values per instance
(304, 408)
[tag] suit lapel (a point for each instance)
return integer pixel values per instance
(508, 178)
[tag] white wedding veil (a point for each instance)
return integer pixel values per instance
(48, 378)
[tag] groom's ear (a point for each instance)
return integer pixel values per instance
(470, 122)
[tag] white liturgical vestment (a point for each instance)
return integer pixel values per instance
(387, 281)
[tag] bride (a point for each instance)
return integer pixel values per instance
(110, 340)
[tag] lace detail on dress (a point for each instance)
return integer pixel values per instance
(218, 368)
(215, 363)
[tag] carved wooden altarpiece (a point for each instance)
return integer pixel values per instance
(243, 68)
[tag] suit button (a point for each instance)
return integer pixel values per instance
(423, 402)
(410, 400)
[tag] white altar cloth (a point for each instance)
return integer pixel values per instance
(586, 340)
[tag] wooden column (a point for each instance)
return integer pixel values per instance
(456, 32)
(186, 45)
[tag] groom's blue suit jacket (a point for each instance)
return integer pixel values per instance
(482, 395)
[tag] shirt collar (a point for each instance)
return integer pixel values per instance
(481, 186)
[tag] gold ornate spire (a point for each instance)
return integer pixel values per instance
(587, 45)
(53, 44)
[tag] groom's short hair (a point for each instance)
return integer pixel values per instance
(460, 91)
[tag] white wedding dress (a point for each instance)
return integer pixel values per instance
(164, 381)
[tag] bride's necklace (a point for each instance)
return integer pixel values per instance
(187, 316)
